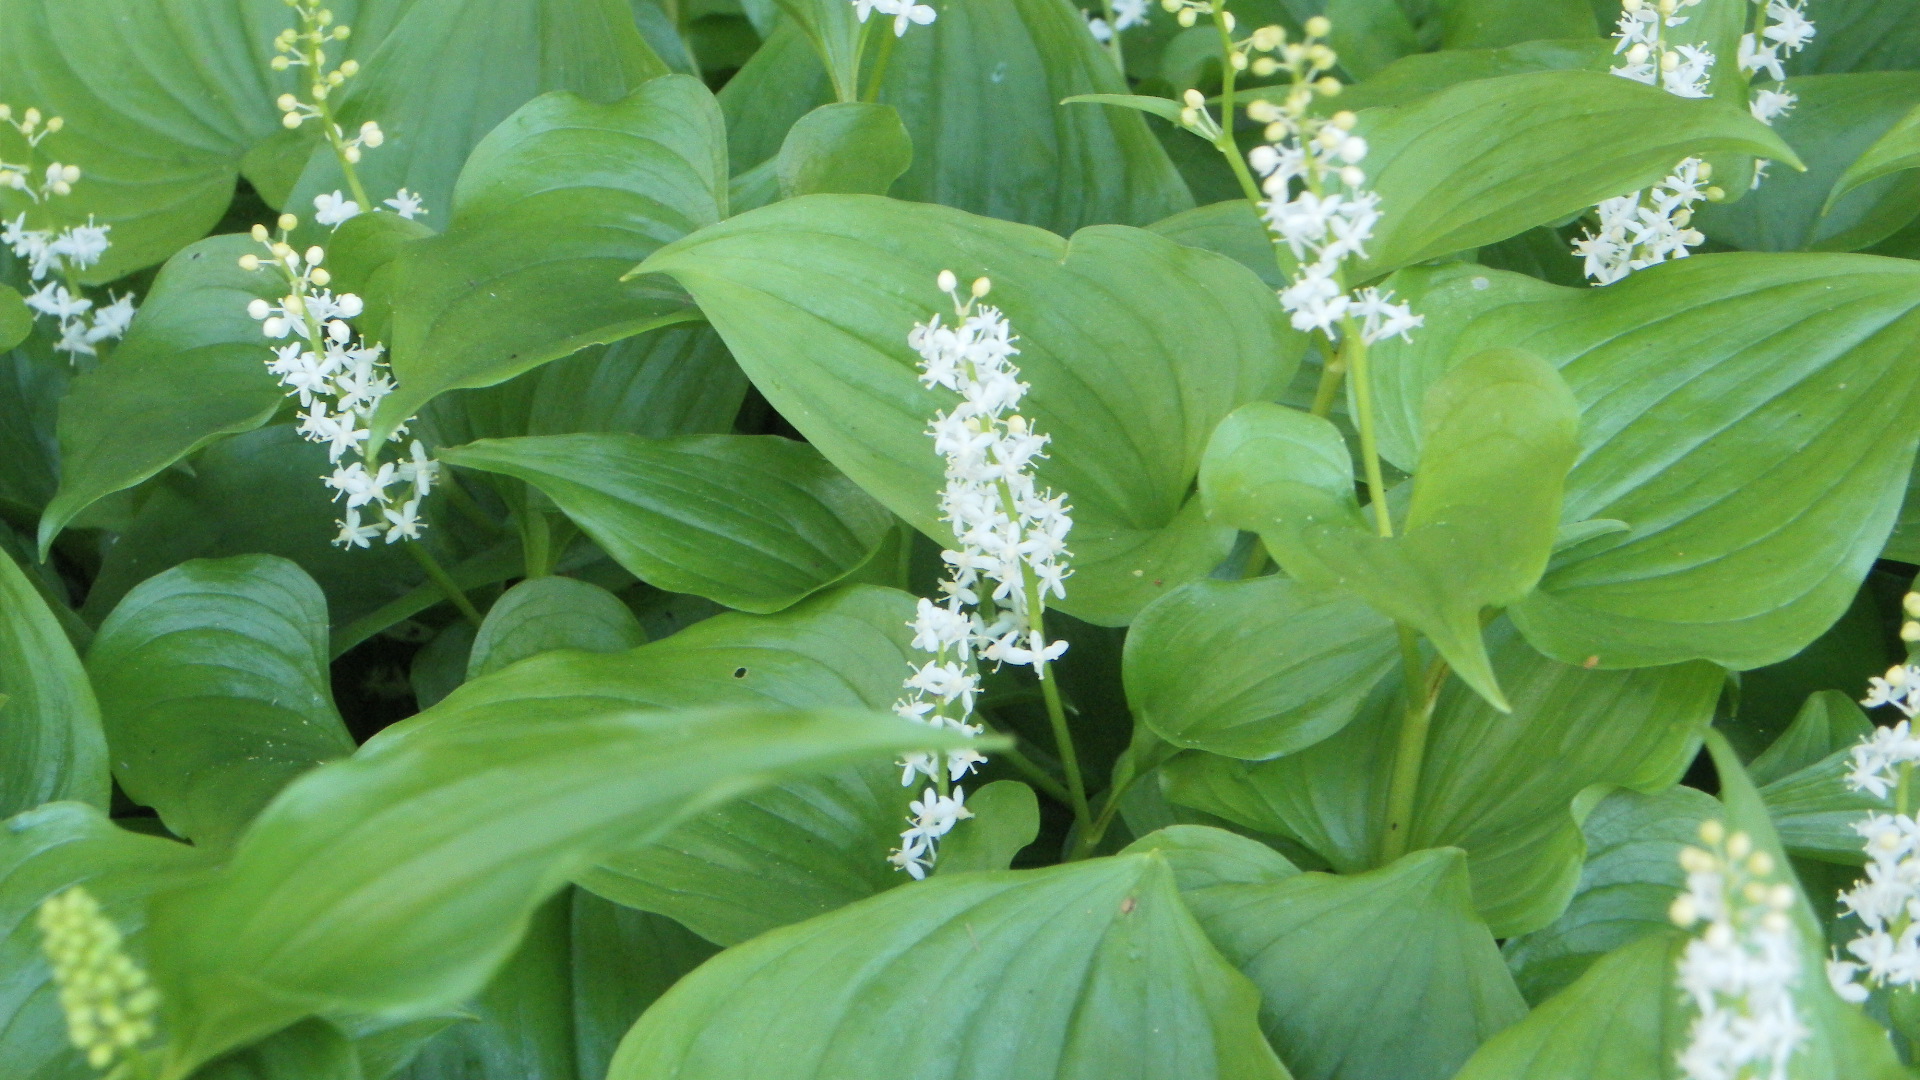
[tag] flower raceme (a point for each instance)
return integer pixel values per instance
(108, 1002)
(1009, 556)
(339, 381)
(1739, 971)
(56, 255)
(904, 12)
(1886, 901)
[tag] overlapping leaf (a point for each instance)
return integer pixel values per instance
(543, 614)
(51, 745)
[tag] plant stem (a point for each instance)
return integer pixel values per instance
(1353, 348)
(1410, 755)
(1137, 762)
(1063, 738)
(445, 580)
(536, 540)
(880, 61)
(1113, 39)
(1038, 776)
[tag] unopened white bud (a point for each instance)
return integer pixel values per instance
(1319, 26)
(981, 287)
(947, 282)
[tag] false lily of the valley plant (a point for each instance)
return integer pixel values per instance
(959, 540)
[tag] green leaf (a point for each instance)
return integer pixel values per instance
(16, 319)
(1092, 348)
(1233, 229)
(1896, 150)
(1006, 818)
(1863, 35)
(1631, 876)
(1837, 120)
(543, 614)
(1485, 511)
(318, 912)
(1815, 809)
(51, 746)
(451, 70)
(848, 148)
(1369, 34)
(192, 368)
(521, 1026)
(1203, 856)
(1388, 973)
(623, 960)
(312, 1049)
(773, 857)
(755, 522)
(1482, 787)
(43, 852)
(1484, 160)
(214, 691)
(1093, 969)
(1416, 76)
(1254, 669)
(553, 206)
(1165, 108)
(836, 35)
(979, 90)
(259, 492)
(1482, 24)
(1829, 721)
(1749, 417)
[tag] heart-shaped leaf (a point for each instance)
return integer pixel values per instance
(755, 522)
(847, 148)
(1006, 818)
(1749, 417)
(318, 911)
(214, 691)
(1333, 955)
(547, 613)
(1482, 787)
(1254, 669)
(192, 368)
(836, 363)
(553, 206)
(51, 746)
(1089, 970)
(1485, 511)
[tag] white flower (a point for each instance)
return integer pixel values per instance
(1756, 58)
(82, 245)
(331, 208)
(112, 320)
(1098, 27)
(403, 522)
(904, 12)
(1789, 27)
(406, 204)
(352, 533)
(54, 299)
(1739, 972)
(1129, 13)
(1769, 105)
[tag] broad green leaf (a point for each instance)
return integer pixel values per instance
(1612, 1024)
(16, 319)
(1500, 434)
(1114, 318)
(1368, 34)
(214, 691)
(312, 1049)
(1416, 76)
(1233, 229)
(522, 1024)
(1483, 787)
(979, 90)
(1815, 809)
(441, 665)
(755, 522)
(1484, 160)
(778, 856)
(553, 206)
(1203, 856)
(32, 382)
(255, 493)
(1827, 722)
(677, 380)
(1093, 969)
(1254, 669)
(1006, 818)
(836, 34)
(1387, 973)
(623, 960)
(543, 614)
(319, 912)
(1488, 24)
(1749, 417)
(1838, 119)
(1896, 150)
(1165, 108)
(192, 368)
(848, 148)
(51, 746)
(43, 852)
(1862, 35)
(451, 70)
(1631, 876)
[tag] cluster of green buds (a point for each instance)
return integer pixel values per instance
(58, 178)
(108, 1002)
(1187, 12)
(1910, 625)
(1309, 62)
(305, 46)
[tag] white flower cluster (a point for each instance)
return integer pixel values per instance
(1887, 899)
(1011, 555)
(1329, 215)
(1786, 32)
(108, 1002)
(904, 12)
(1645, 228)
(1740, 969)
(1127, 14)
(305, 46)
(340, 382)
(55, 256)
